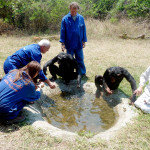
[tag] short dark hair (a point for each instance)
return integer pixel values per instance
(74, 5)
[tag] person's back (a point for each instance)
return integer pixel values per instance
(25, 55)
(17, 89)
(11, 93)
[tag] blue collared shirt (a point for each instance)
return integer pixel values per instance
(13, 94)
(25, 55)
(73, 33)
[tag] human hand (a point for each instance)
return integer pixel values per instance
(83, 44)
(41, 85)
(131, 103)
(147, 102)
(138, 91)
(38, 88)
(52, 86)
(63, 47)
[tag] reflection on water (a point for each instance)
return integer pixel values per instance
(78, 112)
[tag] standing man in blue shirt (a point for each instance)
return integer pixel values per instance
(73, 35)
(27, 54)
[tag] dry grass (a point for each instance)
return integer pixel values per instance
(98, 29)
(103, 49)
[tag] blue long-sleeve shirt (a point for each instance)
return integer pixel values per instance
(25, 55)
(73, 33)
(12, 94)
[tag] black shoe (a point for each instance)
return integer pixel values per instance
(18, 119)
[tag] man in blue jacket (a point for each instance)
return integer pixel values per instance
(27, 54)
(73, 35)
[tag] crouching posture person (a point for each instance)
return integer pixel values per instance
(16, 90)
(66, 66)
(143, 102)
(112, 78)
(23, 56)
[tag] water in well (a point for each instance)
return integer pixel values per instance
(79, 112)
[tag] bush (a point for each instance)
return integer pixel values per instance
(35, 15)
(45, 15)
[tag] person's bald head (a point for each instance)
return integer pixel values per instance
(44, 45)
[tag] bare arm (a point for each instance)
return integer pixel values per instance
(50, 84)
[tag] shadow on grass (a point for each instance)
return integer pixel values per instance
(11, 128)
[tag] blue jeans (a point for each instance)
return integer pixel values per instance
(11, 113)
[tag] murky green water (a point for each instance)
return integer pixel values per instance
(78, 112)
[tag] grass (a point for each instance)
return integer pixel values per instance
(103, 49)
(86, 134)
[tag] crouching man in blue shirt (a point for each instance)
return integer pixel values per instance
(16, 90)
(27, 54)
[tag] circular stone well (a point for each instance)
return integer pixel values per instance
(66, 110)
(79, 111)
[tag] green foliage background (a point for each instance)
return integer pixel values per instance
(43, 15)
